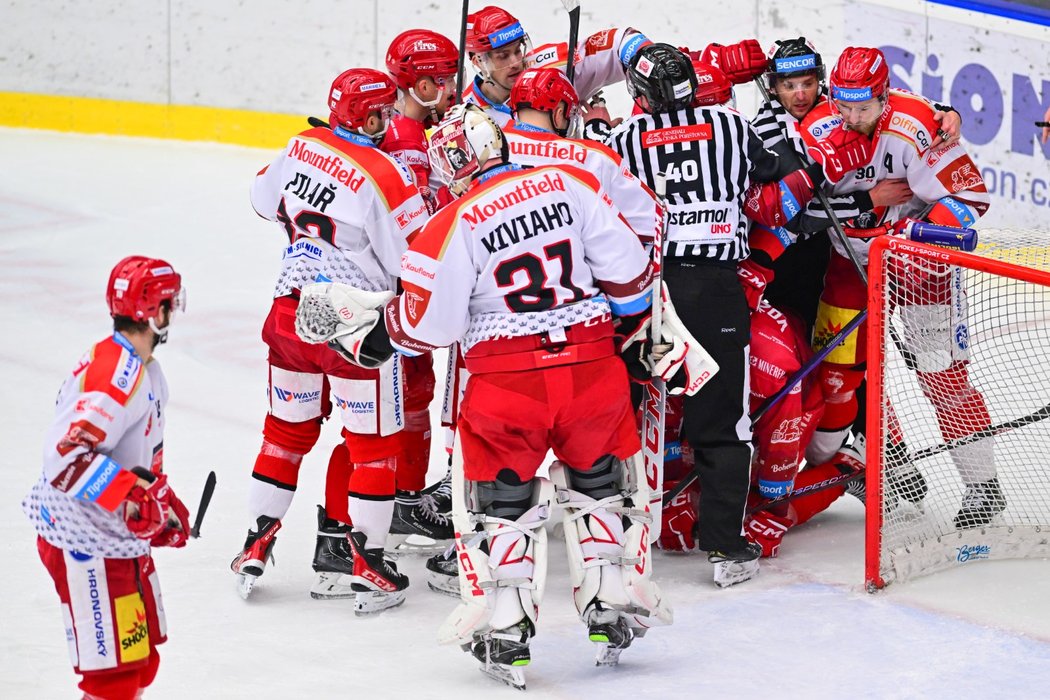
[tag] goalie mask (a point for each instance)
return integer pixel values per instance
(463, 144)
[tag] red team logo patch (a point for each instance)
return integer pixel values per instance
(416, 301)
(677, 134)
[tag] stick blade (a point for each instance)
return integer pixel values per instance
(209, 489)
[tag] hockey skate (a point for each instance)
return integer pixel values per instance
(250, 564)
(504, 653)
(608, 629)
(980, 504)
(443, 572)
(333, 559)
(441, 493)
(418, 527)
(848, 460)
(736, 566)
(904, 482)
(376, 583)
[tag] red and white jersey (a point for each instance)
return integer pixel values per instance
(109, 418)
(636, 202)
(527, 252)
(347, 207)
(499, 111)
(601, 59)
(947, 185)
(406, 140)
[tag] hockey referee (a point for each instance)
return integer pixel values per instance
(709, 156)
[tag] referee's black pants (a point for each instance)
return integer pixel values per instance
(709, 300)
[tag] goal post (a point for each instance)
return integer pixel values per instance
(958, 460)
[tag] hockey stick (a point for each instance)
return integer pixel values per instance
(654, 401)
(1043, 124)
(829, 483)
(573, 6)
(462, 50)
(1033, 417)
(209, 489)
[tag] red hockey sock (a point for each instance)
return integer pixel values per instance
(412, 467)
(337, 484)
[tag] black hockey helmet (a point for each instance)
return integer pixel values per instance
(791, 58)
(664, 76)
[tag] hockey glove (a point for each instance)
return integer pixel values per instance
(741, 62)
(144, 512)
(840, 153)
(679, 350)
(753, 279)
(767, 530)
(177, 525)
(344, 317)
(680, 516)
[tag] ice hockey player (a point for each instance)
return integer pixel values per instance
(103, 499)
(348, 210)
(710, 155)
(496, 46)
(948, 189)
(423, 64)
(527, 270)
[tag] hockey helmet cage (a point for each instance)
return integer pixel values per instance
(543, 89)
(793, 58)
(356, 94)
(861, 74)
(713, 87)
(492, 27)
(139, 286)
(463, 143)
(421, 53)
(663, 76)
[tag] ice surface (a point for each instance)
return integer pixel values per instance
(71, 206)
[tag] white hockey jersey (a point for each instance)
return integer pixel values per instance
(600, 61)
(530, 251)
(347, 207)
(109, 418)
(532, 146)
(947, 185)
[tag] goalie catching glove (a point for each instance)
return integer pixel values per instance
(677, 350)
(350, 320)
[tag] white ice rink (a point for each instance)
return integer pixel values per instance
(71, 206)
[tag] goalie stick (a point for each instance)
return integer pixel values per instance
(209, 489)
(573, 6)
(654, 398)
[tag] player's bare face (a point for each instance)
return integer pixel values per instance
(860, 116)
(798, 95)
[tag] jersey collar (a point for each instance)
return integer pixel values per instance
(359, 139)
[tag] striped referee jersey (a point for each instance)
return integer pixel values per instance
(710, 155)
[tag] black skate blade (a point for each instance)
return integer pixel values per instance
(514, 676)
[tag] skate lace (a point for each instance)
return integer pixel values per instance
(444, 488)
(428, 507)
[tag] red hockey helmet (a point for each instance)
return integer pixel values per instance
(358, 92)
(421, 53)
(492, 27)
(861, 74)
(543, 89)
(713, 87)
(138, 286)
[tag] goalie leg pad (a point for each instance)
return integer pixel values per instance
(607, 541)
(502, 566)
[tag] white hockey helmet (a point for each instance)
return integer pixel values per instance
(463, 143)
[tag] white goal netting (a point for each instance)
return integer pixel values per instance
(961, 421)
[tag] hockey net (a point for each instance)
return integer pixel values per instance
(958, 393)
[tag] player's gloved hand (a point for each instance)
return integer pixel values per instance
(678, 531)
(753, 279)
(345, 317)
(144, 512)
(767, 530)
(741, 62)
(176, 530)
(841, 152)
